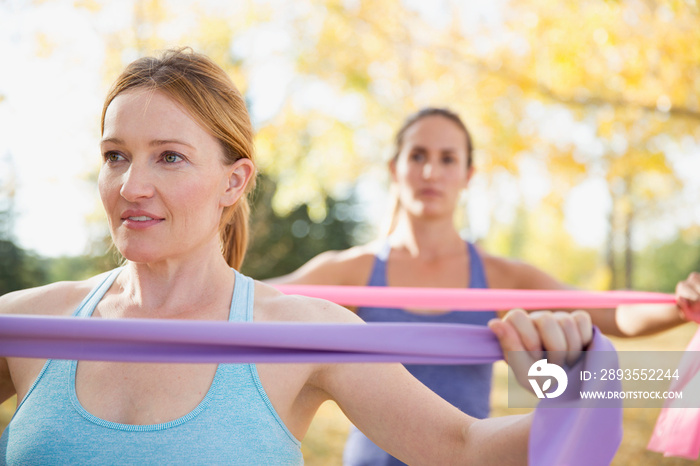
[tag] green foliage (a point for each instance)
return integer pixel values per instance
(20, 269)
(661, 265)
(280, 244)
(78, 267)
(23, 269)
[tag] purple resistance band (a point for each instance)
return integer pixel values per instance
(561, 433)
(153, 340)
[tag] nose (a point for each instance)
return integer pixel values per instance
(137, 183)
(429, 170)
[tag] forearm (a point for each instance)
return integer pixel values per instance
(635, 320)
(498, 440)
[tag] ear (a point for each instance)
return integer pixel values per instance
(470, 173)
(392, 169)
(239, 175)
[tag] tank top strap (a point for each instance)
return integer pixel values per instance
(242, 301)
(241, 309)
(87, 306)
(378, 276)
(477, 274)
(384, 251)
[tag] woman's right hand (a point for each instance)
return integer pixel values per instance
(562, 335)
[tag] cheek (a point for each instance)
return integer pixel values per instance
(104, 185)
(201, 198)
(404, 172)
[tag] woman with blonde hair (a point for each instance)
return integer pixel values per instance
(178, 163)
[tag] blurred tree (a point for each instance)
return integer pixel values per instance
(18, 268)
(627, 70)
(663, 264)
(596, 90)
(559, 256)
(78, 267)
(614, 70)
(282, 243)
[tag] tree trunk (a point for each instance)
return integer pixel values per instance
(629, 253)
(610, 246)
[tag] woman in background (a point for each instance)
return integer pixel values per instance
(432, 164)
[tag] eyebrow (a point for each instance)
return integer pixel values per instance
(153, 143)
(444, 150)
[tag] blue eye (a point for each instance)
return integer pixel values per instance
(172, 157)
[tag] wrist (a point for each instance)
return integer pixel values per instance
(686, 314)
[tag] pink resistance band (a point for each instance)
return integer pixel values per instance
(473, 299)
(677, 431)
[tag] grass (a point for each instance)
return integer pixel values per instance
(323, 444)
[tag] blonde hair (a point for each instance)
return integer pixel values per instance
(398, 146)
(208, 94)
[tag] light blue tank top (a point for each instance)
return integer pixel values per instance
(467, 387)
(235, 423)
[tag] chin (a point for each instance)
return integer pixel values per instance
(139, 253)
(432, 211)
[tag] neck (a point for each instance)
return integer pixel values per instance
(426, 238)
(188, 287)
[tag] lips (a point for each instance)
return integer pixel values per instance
(430, 192)
(136, 219)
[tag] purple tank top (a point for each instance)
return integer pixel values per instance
(467, 387)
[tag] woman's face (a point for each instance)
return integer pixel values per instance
(431, 168)
(163, 182)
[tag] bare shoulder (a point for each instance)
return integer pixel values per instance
(60, 298)
(346, 267)
(506, 273)
(357, 257)
(274, 306)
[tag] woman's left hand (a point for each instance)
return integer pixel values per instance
(688, 297)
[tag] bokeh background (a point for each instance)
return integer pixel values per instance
(585, 117)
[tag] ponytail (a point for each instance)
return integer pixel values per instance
(395, 205)
(234, 231)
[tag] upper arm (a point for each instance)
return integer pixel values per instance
(385, 401)
(502, 273)
(348, 267)
(391, 406)
(523, 276)
(10, 303)
(16, 374)
(321, 270)
(397, 412)
(529, 277)
(405, 418)
(534, 278)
